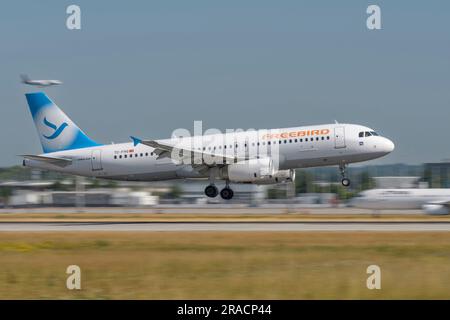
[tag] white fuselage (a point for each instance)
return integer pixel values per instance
(298, 147)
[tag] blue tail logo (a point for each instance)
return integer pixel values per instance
(58, 130)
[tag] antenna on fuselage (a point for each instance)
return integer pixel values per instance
(335, 121)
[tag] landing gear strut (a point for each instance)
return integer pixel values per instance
(345, 181)
(211, 191)
(226, 193)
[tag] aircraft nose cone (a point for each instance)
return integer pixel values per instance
(388, 146)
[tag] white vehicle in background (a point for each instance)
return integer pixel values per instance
(432, 201)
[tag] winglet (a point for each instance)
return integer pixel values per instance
(136, 141)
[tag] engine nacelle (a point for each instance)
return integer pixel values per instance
(279, 177)
(250, 171)
(437, 209)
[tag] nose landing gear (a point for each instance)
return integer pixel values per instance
(345, 181)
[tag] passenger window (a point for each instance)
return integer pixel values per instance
(115, 157)
(290, 140)
(306, 139)
(142, 154)
(125, 156)
(296, 140)
(317, 139)
(328, 138)
(279, 141)
(285, 141)
(323, 138)
(120, 157)
(146, 154)
(301, 140)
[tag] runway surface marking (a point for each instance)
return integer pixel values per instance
(223, 226)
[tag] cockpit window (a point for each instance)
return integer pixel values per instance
(367, 134)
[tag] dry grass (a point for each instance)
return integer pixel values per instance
(234, 265)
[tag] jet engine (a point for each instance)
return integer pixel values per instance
(249, 171)
(279, 177)
(437, 209)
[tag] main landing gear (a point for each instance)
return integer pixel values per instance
(227, 193)
(345, 181)
(212, 192)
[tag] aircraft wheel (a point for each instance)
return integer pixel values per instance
(211, 191)
(226, 193)
(345, 182)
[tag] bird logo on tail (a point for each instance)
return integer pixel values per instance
(58, 130)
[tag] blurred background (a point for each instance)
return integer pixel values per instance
(316, 187)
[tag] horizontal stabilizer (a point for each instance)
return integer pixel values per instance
(60, 162)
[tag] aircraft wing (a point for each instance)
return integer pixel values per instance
(166, 150)
(60, 162)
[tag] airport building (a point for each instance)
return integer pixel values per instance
(437, 174)
(395, 182)
(91, 198)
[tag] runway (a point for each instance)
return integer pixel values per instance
(223, 226)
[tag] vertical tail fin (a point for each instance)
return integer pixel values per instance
(55, 129)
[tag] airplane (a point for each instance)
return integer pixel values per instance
(431, 201)
(258, 156)
(39, 83)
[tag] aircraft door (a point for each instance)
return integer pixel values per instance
(96, 160)
(241, 148)
(247, 149)
(339, 137)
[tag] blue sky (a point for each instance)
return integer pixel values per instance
(145, 68)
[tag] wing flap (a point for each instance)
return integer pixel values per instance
(165, 150)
